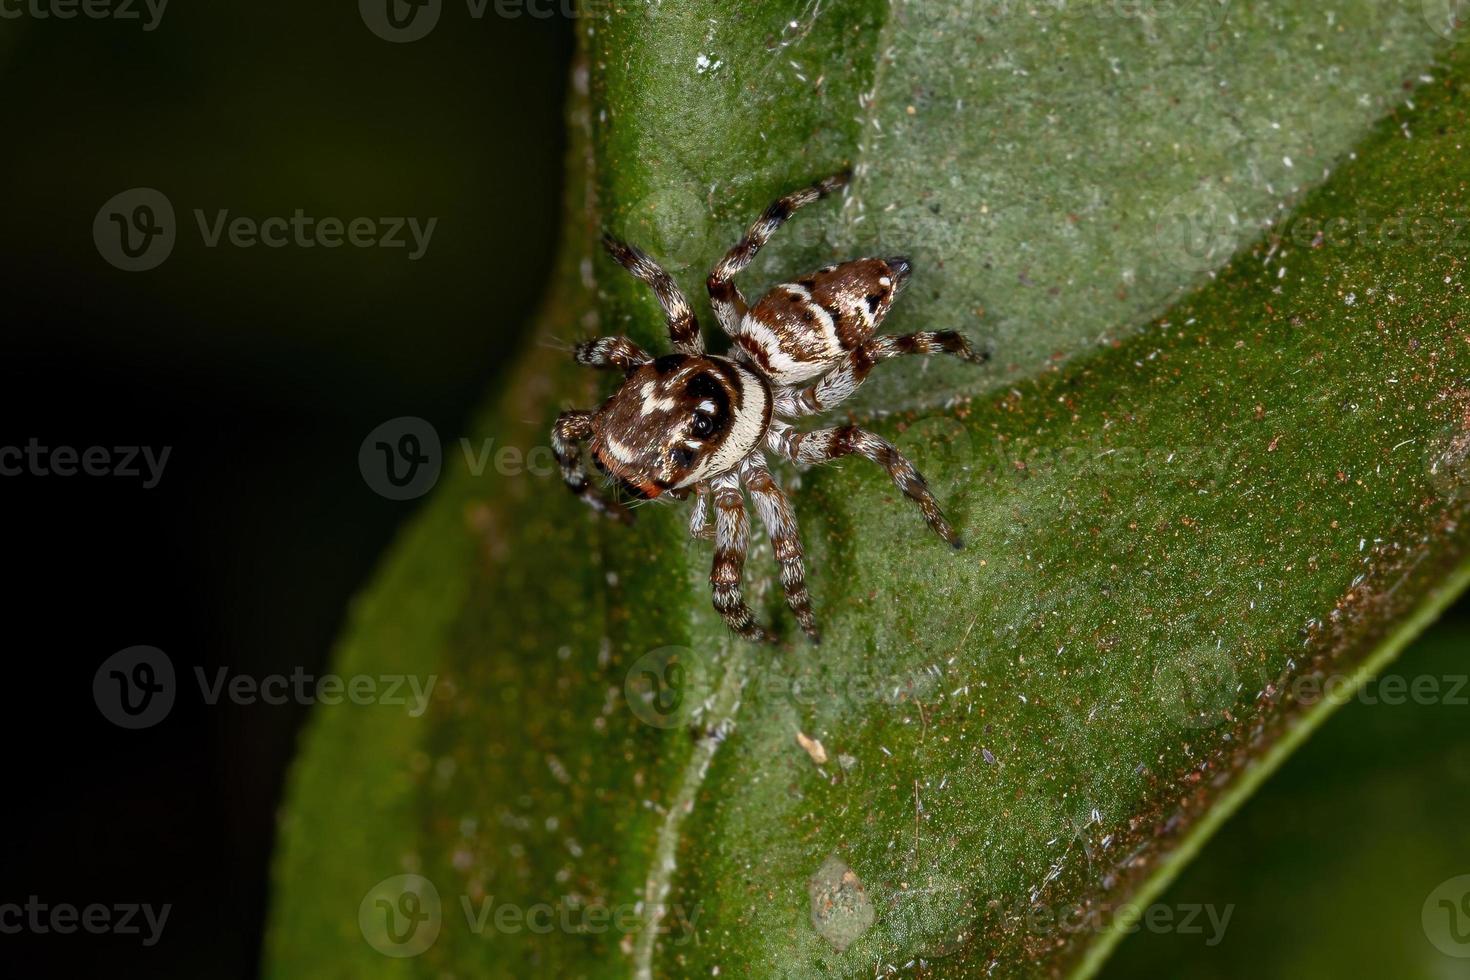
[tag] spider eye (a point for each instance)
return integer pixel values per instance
(683, 457)
(703, 425)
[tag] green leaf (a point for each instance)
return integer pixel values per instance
(1187, 490)
(1328, 896)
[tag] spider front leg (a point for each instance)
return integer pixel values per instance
(822, 445)
(774, 508)
(724, 296)
(838, 386)
(567, 435)
(683, 325)
(618, 353)
(732, 532)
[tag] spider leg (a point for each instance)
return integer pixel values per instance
(838, 386)
(732, 533)
(774, 508)
(683, 325)
(567, 435)
(699, 522)
(618, 353)
(729, 305)
(822, 445)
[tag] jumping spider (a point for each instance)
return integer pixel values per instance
(696, 421)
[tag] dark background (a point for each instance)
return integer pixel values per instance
(263, 369)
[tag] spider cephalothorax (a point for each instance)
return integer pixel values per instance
(691, 421)
(678, 420)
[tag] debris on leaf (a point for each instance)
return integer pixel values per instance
(841, 910)
(814, 748)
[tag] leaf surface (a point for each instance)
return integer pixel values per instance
(1185, 486)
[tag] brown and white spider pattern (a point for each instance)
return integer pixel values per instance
(692, 421)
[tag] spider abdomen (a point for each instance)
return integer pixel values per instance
(799, 330)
